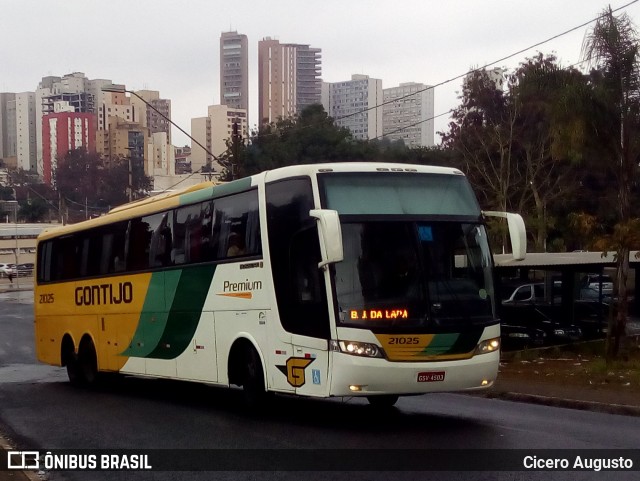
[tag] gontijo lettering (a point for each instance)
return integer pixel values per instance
(103, 294)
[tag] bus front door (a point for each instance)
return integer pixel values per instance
(309, 367)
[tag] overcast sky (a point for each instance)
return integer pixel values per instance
(173, 45)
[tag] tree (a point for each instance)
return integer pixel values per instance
(87, 184)
(482, 135)
(6, 193)
(114, 182)
(35, 210)
(77, 175)
(520, 147)
(550, 135)
(309, 137)
(612, 48)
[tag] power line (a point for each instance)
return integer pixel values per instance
(478, 70)
(444, 82)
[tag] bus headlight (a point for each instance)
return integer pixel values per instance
(356, 348)
(488, 345)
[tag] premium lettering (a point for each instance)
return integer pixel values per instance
(104, 294)
(245, 285)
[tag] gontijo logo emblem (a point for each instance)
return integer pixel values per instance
(243, 289)
(294, 370)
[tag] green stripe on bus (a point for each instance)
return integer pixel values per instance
(186, 310)
(221, 190)
(453, 343)
(154, 315)
(467, 341)
(440, 344)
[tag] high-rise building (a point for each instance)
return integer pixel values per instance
(26, 142)
(234, 71)
(72, 92)
(352, 104)
(407, 114)
(116, 104)
(7, 125)
(213, 132)
(154, 113)
(62, 132)
(160, 156)
(288, 79)
(124, 138)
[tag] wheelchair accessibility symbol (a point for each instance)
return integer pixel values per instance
(315, 374)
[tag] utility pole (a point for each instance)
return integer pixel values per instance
(236, 137)
(130, 179)
(130, 170)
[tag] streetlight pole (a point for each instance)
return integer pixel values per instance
(120, 90)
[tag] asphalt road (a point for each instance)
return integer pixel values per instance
(40, 410)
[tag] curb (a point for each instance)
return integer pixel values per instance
(16, 475)
(621, 409)
(5, 290)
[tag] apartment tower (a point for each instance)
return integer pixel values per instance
(352, 104)
(288, 79)
(234, 71)
(408, 114)
(213, 132)
(8, 138)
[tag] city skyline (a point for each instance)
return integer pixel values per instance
(432, 45)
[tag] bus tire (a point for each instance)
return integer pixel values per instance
(255, 394)
(383, 401)
(70, 360)
(87, 362)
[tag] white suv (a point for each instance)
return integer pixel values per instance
(6, 269)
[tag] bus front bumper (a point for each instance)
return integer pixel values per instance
(362, 376)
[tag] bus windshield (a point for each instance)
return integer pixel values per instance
(422, 264)
(431, 275)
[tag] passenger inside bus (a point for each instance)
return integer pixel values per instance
(235, 245)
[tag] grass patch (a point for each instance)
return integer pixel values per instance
(577, 364)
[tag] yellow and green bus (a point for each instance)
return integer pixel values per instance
(342, 279)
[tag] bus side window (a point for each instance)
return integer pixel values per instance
(305, 275)
(295, 252)
(112, 259)
(236, 228)
(44, 261)
(189, 233)
(161, 239)
(66, 255)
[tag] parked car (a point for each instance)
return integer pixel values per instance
(517, 338)
(550, 321)
(25, 270)
(593, 317)
(593, 294)
(526, 307)
(592, 281)
(526, 294)
(6, 269)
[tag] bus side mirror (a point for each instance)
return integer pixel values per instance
(517, 232)
(330, 235)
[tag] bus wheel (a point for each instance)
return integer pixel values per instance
(87, 362)
(255, 395)
(383, 401)
(70, 360)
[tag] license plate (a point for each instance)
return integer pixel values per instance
(431, 376)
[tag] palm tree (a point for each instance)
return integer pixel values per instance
(611, 48)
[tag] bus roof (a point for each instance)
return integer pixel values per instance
(213, 189)
(309, 169)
